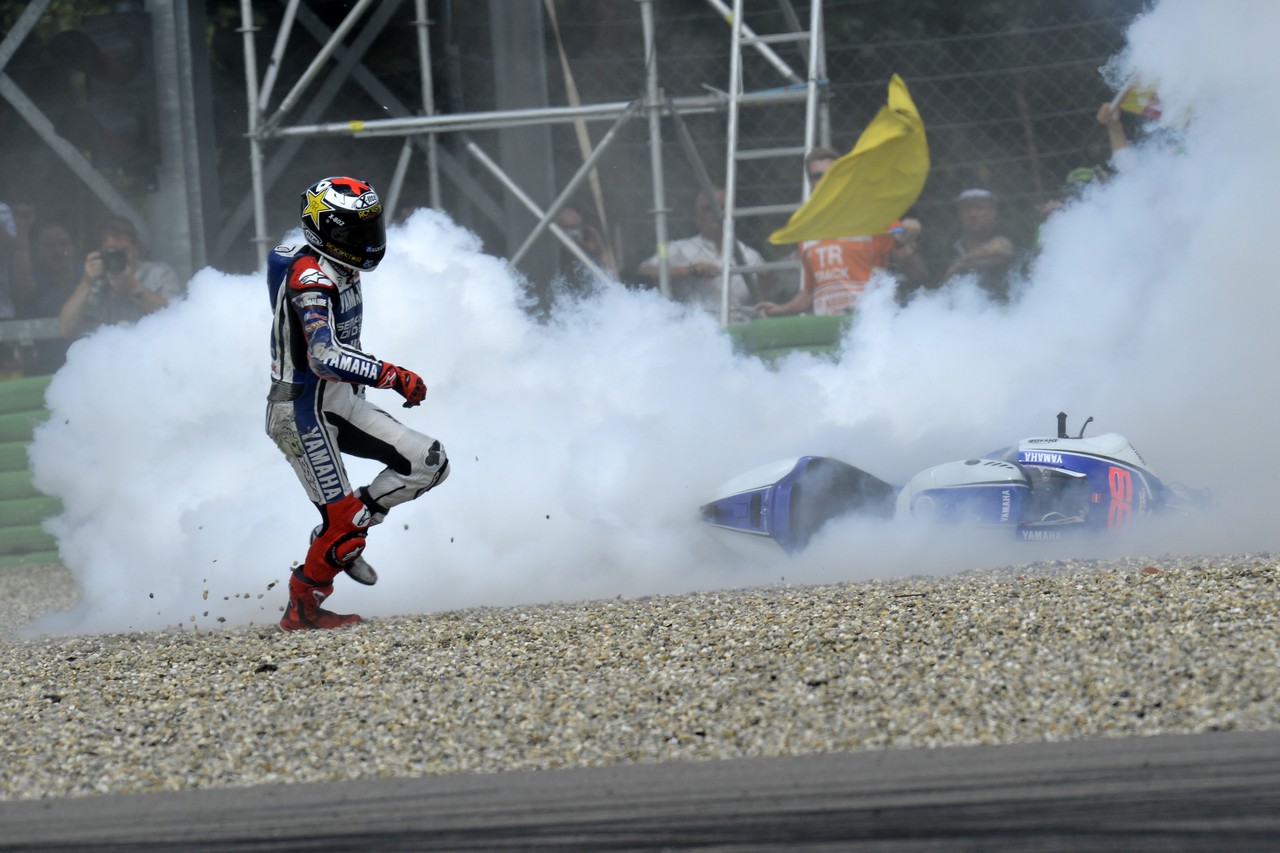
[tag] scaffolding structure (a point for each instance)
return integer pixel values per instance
(1009, 107)
(421, 128)
(175, 211)
(744, 36)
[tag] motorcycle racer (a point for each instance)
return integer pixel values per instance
(316, 408)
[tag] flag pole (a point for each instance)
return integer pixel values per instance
(1123, 93)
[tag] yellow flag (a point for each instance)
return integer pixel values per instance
(1142, 101)
(867, 189)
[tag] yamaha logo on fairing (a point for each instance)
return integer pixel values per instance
(1040, 457)
(1006, 504)
(1040, 535)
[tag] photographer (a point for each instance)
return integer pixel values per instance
(117, 286)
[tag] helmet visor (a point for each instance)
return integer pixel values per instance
(362, 243)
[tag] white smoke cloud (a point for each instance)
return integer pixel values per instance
(582, 447)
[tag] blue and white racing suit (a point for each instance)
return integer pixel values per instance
(316, 409)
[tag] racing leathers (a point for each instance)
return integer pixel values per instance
(316, 411)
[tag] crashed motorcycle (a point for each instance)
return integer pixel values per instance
(1041, 489)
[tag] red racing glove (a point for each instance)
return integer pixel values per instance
(404, 382)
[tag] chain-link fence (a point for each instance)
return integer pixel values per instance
(1007, 90)
(1008, 101)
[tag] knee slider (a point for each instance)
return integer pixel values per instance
(346, 549)
(434, 470)
(341, 538)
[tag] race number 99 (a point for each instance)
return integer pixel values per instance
(1121, 483)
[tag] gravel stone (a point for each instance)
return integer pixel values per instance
(1052, 651)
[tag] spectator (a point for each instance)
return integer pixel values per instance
(1109, 117)
(983, 248)
(1076, 181)
(46, 269)
(588, 238)
(695, 265)
(836, 270)
(780, 286)
(117, 286)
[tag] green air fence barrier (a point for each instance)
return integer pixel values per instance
(23, 395)
(25, 540)
(35, 558)
(774, 337)
(17, 485)
(13, 456)
(19, 426)
(23, 511)
(22, 507)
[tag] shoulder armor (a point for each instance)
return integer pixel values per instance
(306, 274)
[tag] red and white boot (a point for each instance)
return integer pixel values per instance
(336, 546)
(304, 613)
(343, 533)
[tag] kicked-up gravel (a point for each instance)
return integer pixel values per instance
(1041, 652)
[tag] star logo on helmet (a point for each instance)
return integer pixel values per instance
(316, 205)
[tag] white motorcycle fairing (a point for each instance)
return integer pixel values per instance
(1040, 489)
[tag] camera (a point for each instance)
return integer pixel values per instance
(114, 260)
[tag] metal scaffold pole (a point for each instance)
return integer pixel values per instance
(732, 260)
(655, 104)
(428, 99)
(421, 127)
(731, 163)
(260, 239)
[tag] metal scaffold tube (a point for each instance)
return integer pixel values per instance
(815, 103)
(428, 99)
(731, 163)
(532, 206)
(277, 52)
(316, 64)
(735, 14)
(495, 119)
(45, 128)
(570, 188)
(653, 102)
(247, 28)
(265, 125)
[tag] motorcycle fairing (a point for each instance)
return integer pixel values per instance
(1096, 485)
(788, 501)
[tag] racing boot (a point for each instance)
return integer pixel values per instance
(354, 563)
(337, 545)
(304, 613)
(359, 569)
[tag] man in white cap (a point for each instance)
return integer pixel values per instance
(983, 248)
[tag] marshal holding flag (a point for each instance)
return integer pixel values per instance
(872, 185)
(1139, 98)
